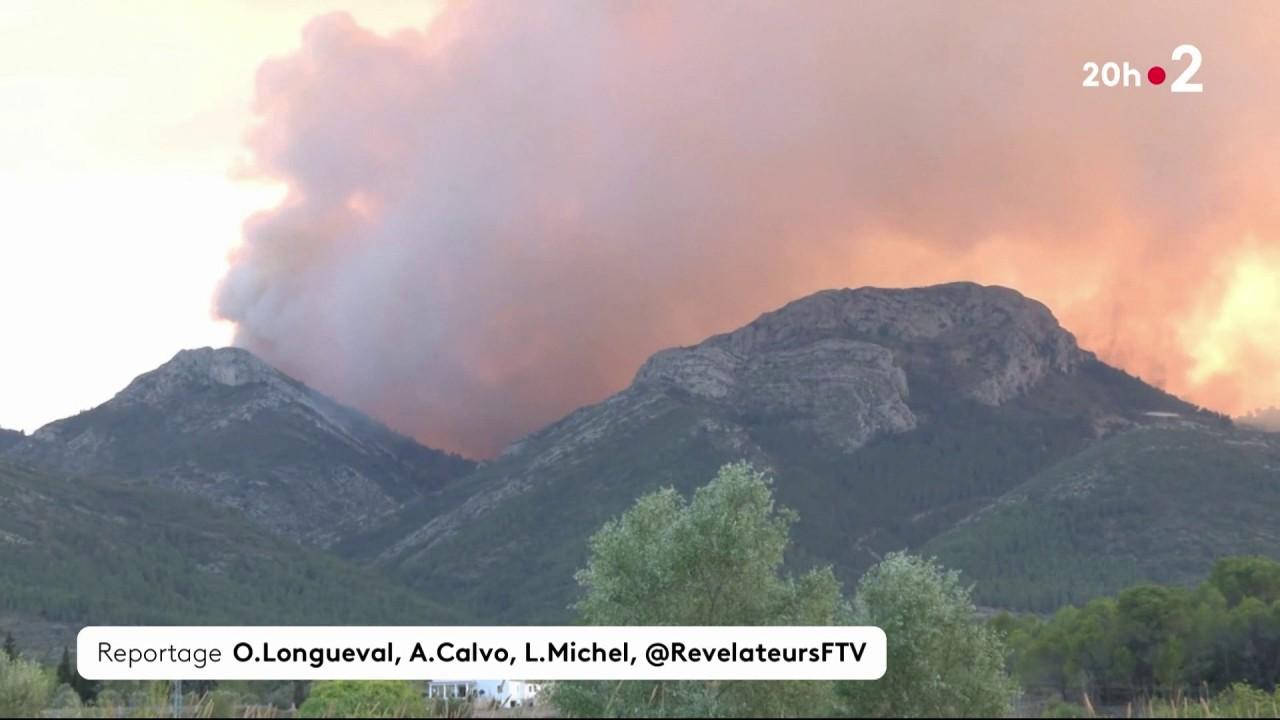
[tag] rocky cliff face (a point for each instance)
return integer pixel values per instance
(226, 426)
(846, 391)
(837, 363)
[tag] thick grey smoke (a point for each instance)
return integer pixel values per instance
(495, 219)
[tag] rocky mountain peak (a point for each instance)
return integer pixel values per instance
(987, 343)
(203, 368)
(225, 366)
(910, 314)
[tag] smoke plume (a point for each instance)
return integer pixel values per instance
(496, 218)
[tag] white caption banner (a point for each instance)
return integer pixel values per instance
(469, 653)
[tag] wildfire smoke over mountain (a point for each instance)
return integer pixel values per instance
(495, 219)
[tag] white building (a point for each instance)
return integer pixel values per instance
(503, 693)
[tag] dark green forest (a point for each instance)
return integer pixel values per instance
(1156, 504)
(1156, 640)
(135, 554)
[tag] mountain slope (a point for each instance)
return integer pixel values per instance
(886, 415)
(9, 438)
(1157, 504)
(78, 550)
(225, 426)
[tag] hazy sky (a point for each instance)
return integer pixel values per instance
(472, 226)
(121, 126)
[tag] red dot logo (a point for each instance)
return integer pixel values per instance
(1156, 75)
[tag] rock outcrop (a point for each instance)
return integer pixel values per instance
(837, 363)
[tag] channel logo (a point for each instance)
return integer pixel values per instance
(1113, 74)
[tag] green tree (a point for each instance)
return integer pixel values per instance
(25, 688)
(364, 698)
(67, 674)
(1095, 656)
(10, 646)
(64, 673)
(300, 689)
(1208, 644)
(1247, 576)
(1153, 639)
(943, 661)
(1041, 653)
(1255, 631)
(1152, 620)
(713, 560)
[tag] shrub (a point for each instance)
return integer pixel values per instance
(25, 688)
(66, 700)
(943, 661)
(1238, 701)
(450, 708)
(713, 560)
(1063, 709)
(364, 698)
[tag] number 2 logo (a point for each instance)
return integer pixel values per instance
(1183, 84)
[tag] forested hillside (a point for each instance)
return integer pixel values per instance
(1158, 504)
(76, 551)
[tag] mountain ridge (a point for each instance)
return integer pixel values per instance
(224, 425)
(886, 415)
(9, 438)
(889, 417)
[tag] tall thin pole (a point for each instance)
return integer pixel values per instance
(177, 698)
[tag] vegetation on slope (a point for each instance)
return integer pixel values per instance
(514, 528)
(1158, 504)
(515, 561)
(224, 426)
(82, 550)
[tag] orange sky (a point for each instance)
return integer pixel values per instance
(478, 224)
